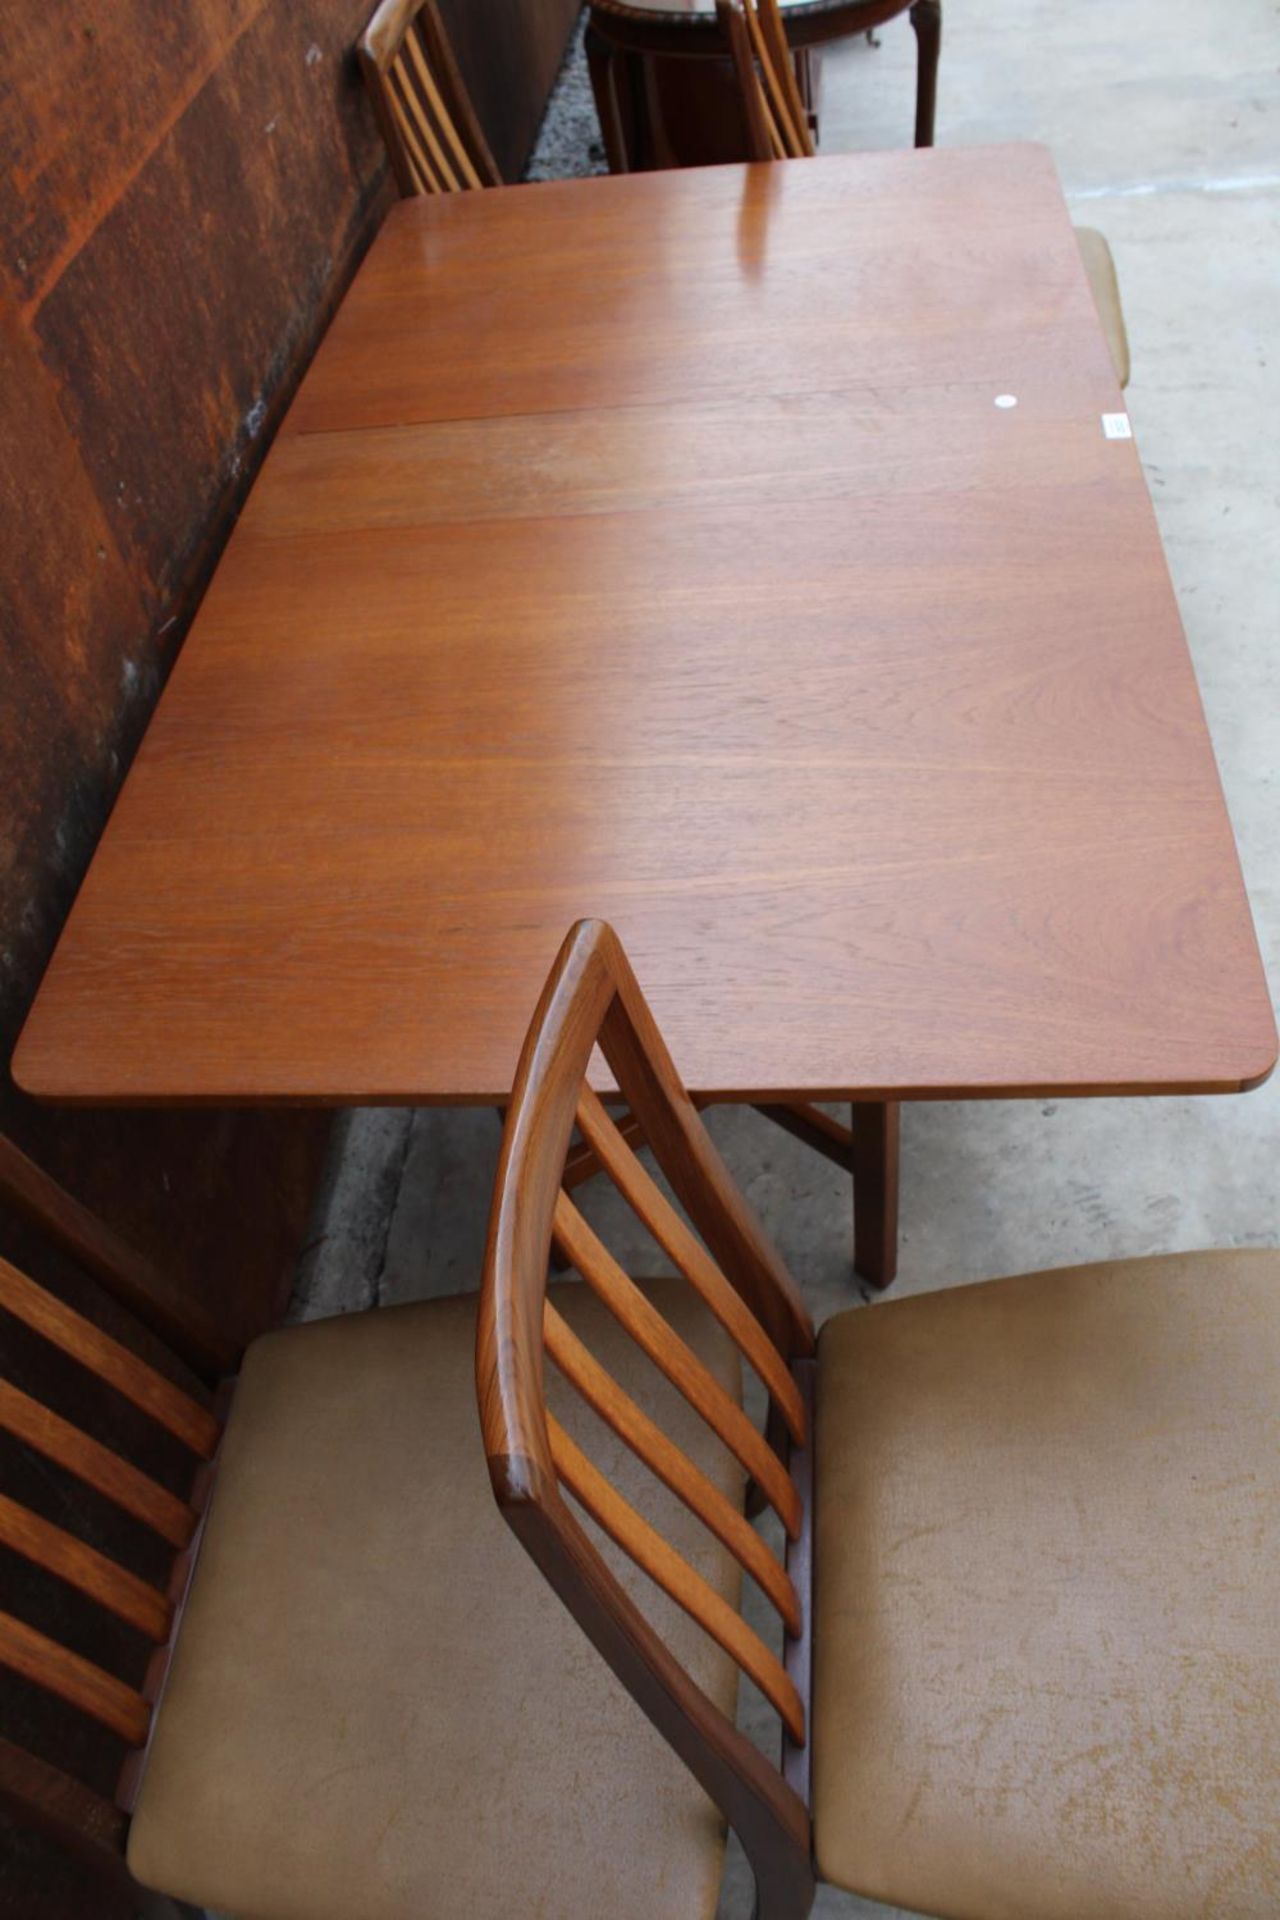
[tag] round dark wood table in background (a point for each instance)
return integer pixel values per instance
(664, 85)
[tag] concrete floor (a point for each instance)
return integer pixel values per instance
(1164, 117)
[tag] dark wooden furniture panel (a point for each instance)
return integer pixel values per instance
(509, 53)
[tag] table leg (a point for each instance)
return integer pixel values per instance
(807, 64)
(926, 18)
(874, 1130)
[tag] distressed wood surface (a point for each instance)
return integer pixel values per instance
(653, 548)
(185, 193)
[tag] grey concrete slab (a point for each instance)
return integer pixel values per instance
(341, 1268)
(1162, 115)
(1146, 94)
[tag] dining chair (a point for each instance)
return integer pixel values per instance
(433, 136)
(1100, 267)
(267, 1645)
(1024, 1645)
(74, 1613)
(777, 122)
(778, 129)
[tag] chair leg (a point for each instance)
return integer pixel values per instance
(926, 18)
(158, 1906)
(602, 66)
(787, 1894)
(875, 1135)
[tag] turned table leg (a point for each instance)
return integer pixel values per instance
(874, 1131)
(926, 18)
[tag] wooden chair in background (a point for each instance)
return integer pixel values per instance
(431, 130)
(364, 1700)
(1024, 1643)
(777, 119)
(56, 1695)
(1100, 267)
(778, 129)
(779, 123)
(654, 115)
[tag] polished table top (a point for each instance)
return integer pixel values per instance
(657, 548)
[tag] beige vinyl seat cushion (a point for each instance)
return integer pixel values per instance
(378, 1708)
(1101, 269)
(1047, 1618)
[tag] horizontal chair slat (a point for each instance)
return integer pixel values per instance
(166, 1404)
(84, 1568)
(77, 1681)
(676, 1359)
(126, 1273)
(681, 1244)
(677, 1578)
(61, 1806)
(58, 1440)
(661, 1455)
(583, 1162)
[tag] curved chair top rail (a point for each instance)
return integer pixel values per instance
(592, 999)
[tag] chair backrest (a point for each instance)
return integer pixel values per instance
(777, 118)
(427, 120)
(590, 1000)
(62, 1347)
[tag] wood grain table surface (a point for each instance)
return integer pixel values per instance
(654, 548)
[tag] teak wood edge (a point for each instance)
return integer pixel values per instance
(376, 1095)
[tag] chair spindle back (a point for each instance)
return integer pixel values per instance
(777, 118)
(430, 127)
(592, 999)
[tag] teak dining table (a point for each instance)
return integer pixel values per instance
(755, 557)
